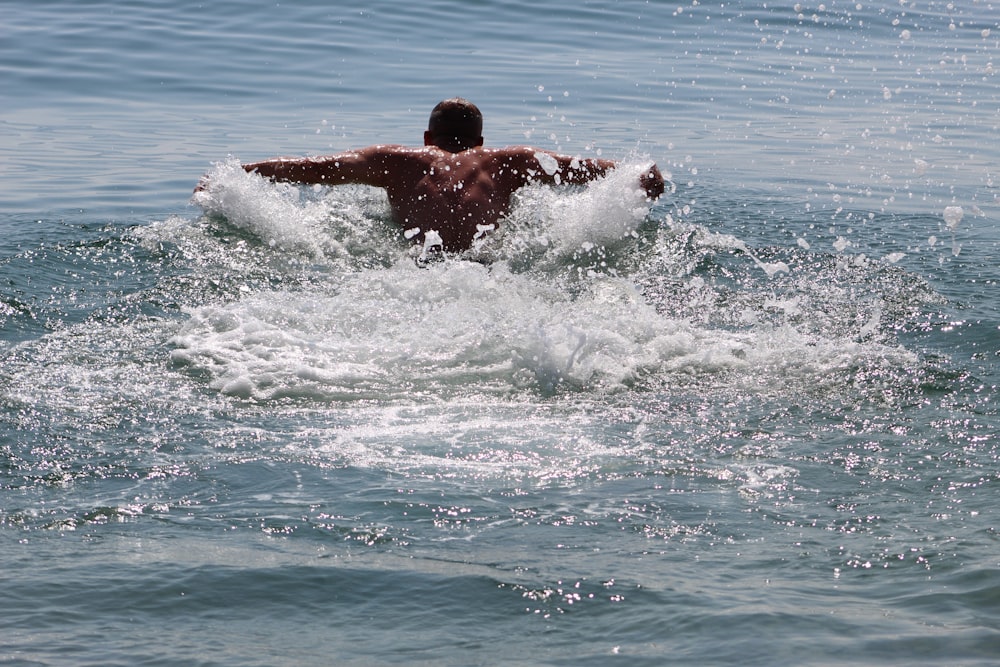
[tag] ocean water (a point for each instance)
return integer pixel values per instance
(753, 423)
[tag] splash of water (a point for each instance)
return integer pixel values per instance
(558, 308)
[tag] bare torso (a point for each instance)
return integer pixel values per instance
(457, 195)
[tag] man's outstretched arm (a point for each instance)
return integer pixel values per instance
(556, 169)
(366, 166)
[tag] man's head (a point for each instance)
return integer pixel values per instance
(455, 125)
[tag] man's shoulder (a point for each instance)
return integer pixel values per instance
(392, 149)
(398, 156)
(508, 154)
(509, 150)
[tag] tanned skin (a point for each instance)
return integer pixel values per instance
(452, 185)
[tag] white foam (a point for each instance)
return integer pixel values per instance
(460, 327)
(282, 215)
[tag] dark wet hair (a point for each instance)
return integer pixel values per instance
(456, 122)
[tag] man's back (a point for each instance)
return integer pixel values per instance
(458, 195)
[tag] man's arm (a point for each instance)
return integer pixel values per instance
(553, 169)
(369, 166)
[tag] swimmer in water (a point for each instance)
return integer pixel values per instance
(451, 190)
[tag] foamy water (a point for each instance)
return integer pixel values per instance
(559, 307)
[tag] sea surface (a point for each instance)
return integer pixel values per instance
(752, 423)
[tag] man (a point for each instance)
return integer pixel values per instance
(452, 190)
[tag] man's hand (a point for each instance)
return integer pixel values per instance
(652, 182)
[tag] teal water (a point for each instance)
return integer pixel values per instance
(754, 423)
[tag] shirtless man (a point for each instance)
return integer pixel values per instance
(452, 186)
